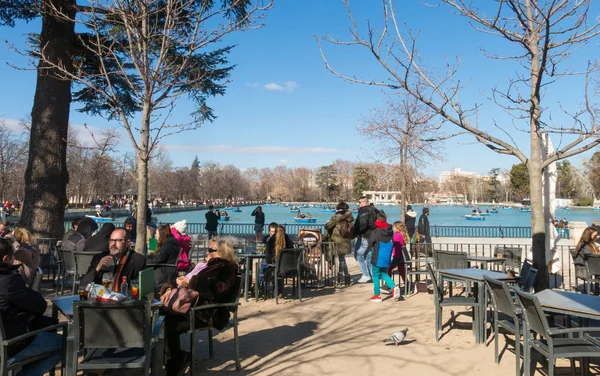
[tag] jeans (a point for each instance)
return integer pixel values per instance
(378, 274)
(342, 266)
(363, 256)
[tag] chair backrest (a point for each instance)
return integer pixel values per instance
(437, 293)
(501, 298)
(450, 260)
(524, 271)
(530, 279)
(195, 237)
(533, 312)
(289, 259)
(512, 255)
(237, 291)
(37, 279)
(68, 260)
(593, 265)
(83, 260)
(113, 325)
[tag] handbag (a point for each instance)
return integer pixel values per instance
(179, 300)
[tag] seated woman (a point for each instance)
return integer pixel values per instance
(585, 247)
(213, 246)
(27, 253)
(168, 252)
(214, 284)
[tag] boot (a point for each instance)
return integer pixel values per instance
(347, 280)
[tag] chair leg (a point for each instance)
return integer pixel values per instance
(496, 337)
(210, 343)
(276, 290)
(438, 313)
(236, 342)
(551, 367)
(526, 353)
(192, 351)
(518, 347)
(299, 290)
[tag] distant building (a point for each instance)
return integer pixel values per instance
(445, 175)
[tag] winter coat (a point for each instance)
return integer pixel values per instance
(270, 251)
(343, 245)
(27, 257)
(215, 284)
(134, 265)
(410, 218)
(365, 221)
(99, 242)
(259, 218)
(167, 254)
(17, 303)
(381, 241)
(184, 242)
(212, 221)
(424, 227)
(87, 227)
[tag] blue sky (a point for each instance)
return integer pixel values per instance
(283, 107)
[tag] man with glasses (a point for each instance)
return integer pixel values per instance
(120, 260)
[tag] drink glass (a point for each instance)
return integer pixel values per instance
(107, 279)
(135, 290)
(83, 295)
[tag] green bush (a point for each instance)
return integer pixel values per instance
(584, 202)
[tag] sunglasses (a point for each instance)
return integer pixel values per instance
(210, 250)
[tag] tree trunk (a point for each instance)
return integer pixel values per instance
(46, 176)
(142, 171)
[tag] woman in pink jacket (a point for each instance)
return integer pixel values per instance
(179, 231)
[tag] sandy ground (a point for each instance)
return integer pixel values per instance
(339, 332)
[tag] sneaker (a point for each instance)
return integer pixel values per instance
(363, 279)
(386, 290)
(376, 299)
(396, 292)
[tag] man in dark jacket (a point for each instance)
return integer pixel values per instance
(22, 309)
(364, 224)
(423, 229)
(119, 260)
(212, 222)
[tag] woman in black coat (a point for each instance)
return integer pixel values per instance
(168, 253)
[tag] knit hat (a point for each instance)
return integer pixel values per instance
(181, 227)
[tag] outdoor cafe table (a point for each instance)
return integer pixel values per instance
(485, 260)
(250, 257)
(64, 305)
(570, 303)
(473, 275)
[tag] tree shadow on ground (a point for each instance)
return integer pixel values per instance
(267, 342)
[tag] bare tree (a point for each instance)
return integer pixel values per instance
(13, 157)
(143, 56)
(405, 131)
(545, 32)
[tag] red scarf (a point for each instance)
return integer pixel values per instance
(381, 224)
(118, 273)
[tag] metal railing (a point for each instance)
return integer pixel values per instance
(563, 279)
(481, 231)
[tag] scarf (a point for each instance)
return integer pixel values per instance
(118, 272)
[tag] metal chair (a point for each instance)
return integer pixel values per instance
(412, 269)
(450, 260)
(580, 271)
(69, 269)
(529, 279)
(288, 264)
(22, 358)
(512, 255)
(37, 280)
(524, 271)
(550, 347)
(592, 264)
(232, 306)
(440, 301)
(83, 260)
(502, 303)
(115, 335)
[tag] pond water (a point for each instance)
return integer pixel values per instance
(440, 215)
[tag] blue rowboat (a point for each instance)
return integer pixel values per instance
(525, 210)
(494, 211)
(305, 220)
(294, 210)
(507, 208)
(594, 208)
(474, 218)
(101, 219)
(485, 214)
(224, 219)
(328, 210)
(237, 210)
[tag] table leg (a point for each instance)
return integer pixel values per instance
(481, 308)
(256, 276)
(246, 277)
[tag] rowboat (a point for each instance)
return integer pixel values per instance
(474, 217)
(328, 210)
(494, 211)
(101, 219)
(294, 210)
(305, 220)
(224, 219)
(507, 208)
(236, 210)
(523, 210)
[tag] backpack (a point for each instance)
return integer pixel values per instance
(75, 242)
(346, 229)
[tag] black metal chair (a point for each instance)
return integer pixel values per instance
(592, 263)
(512, 255)
(450, 260)
(232, 306)
(503, 304)
(412, 269)
(580, 271)
(69, 269)
(22, 358)
(83, 260)
(37, 279)
(288, 265)
(116, 335)
(452, 301)
(550, 347)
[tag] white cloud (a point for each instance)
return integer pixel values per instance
(253, 84)
(234, 149)
(283, 161)
(289, 86)
(12, 124)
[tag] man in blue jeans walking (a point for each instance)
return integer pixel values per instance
(364, 224)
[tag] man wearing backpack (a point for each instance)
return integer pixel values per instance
(76, 242)
(340, 230)
(364, 225)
